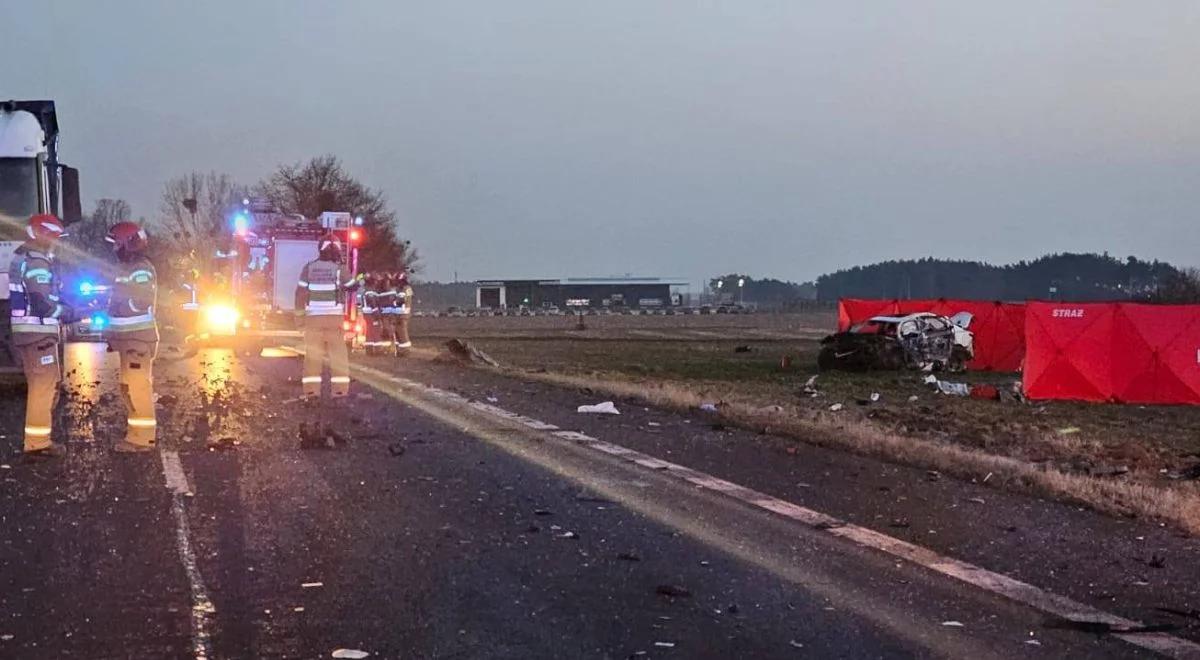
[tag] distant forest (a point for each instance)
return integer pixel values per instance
(1065, 276)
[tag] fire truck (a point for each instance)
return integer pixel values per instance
(247, 300)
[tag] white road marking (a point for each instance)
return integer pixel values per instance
(202, 606)
(981, 578)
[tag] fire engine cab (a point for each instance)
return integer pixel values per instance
(250, 293)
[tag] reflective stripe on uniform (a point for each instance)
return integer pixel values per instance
(131, 320)
(37, 272)
(310, 379)
(322, 287)
(37, 430)
(33, 320)
(339, 379)
(143, 422)
(404, 344)
(141, 275)
(302, 284)
(16, 288)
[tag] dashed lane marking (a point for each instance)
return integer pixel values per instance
(981, 578)
(202, 606)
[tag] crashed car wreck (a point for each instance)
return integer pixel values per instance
(918, 341)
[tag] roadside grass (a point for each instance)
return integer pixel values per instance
(1117, 459)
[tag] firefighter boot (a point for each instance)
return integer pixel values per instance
(42, 373)
(137, 386)
(403, 343)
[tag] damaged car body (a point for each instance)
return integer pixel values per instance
(925, 341)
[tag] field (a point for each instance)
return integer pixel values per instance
(1131, 460)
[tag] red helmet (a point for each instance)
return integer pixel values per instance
(329, 247)
(127, 237)
(45, 226)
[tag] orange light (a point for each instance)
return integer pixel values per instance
(358, 328)
(355, 235)
(346, 325)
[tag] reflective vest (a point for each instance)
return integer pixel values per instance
(34, 307)
(321, 289)
(131, 307)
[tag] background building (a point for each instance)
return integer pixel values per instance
(641, 292)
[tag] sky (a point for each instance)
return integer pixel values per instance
(542, 138)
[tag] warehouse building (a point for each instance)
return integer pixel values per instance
(579, 292)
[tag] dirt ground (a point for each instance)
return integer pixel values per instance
(741, 359)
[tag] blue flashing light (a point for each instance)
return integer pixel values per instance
(86, 288)
(99, 320)
(241, 224)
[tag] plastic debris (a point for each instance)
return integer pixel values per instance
(810, 387)
(913, 397)
(835, 407)
(672, 591)
(931, 380)
(605, 408)
(874, 397)
(350, 654)
(1070, 430)
(665, 645)
(708, 407)
(952, 624)
(953, 389)
(311, 585)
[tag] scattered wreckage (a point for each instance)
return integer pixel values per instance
(925, 341)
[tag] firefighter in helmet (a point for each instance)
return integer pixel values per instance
(36, 312)
(370, 309)
(320, 298)
(133, 332)
(402, 297)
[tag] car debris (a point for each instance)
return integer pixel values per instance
(810, 387)
(835, 407)
(708, 407)
(604, 408)
(466, 353)
(350, 654)
(672, 591)
(923, 341)
(985, 392)
(953, 389)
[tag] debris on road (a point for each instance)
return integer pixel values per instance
(708, 407)
(665, 645)
(396, 449)
(742, 349)
(672, 591)
(810, 387)
(953, 389)
(350, 654)
(466, 353)
(628, 556)
(953, 624)
(314, 436)
(913, 397)
(223, 444)
(835, 407)
(985, 392)
(568, 535)
(1070, 430)
(311, 585)
(605, 408)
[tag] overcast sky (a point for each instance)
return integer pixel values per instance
(552, 138)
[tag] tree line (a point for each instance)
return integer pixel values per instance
(1065, 276)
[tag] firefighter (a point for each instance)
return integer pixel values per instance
(36, 312)
(320, 298)
(402, 294)
(371, 313)
(133, 333)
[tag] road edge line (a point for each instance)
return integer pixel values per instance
(202, 606)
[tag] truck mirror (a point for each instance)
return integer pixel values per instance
(72, 205)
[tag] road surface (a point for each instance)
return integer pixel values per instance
(464, 522)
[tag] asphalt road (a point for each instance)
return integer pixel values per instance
(420, 535)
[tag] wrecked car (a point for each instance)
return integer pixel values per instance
(917, 341)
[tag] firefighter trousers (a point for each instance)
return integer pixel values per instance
(396, 330)
(323, 336)
(39, 360)
(137, 387)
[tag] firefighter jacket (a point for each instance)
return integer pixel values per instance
(321, 289)
(396, 300)
(34, 307)
(131, 307)
(370, 299)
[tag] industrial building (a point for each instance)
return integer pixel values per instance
(579, 292)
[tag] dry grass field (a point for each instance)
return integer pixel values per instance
(1132, 460)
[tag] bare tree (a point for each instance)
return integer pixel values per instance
(85, 246)
(1181, 287)
(191, 216)
(322, 184)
